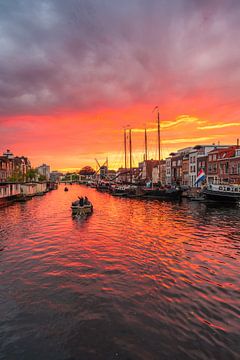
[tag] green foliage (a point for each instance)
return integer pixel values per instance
(42, 178)
(32, 174)
(17, 176)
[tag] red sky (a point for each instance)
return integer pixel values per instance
(73, 75)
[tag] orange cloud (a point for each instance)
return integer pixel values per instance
(218, 126)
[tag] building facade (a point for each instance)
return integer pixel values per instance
(44, 170)
(228, 167)
(159, 173)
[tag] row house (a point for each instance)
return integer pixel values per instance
(21, 166)
(168, 168)
(125, 175)
(198, 158)
(159, 173)
(224, 165)
(6, 168)
(185, 170)
(179, 162)
(176, 168)
(212, 166)
(147, 169)
(182, 167)
(13, 166)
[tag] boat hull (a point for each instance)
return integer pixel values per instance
(82, 210)
(221, 197)
(171, 194)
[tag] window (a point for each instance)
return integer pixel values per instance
(226, 168)
(210, 157)
(214, 157)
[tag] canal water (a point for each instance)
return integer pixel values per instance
(136, 280)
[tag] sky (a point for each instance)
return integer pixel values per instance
(74, 73)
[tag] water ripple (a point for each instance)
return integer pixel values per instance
(136, 280)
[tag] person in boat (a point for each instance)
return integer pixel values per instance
(86, 201)
(81, 201)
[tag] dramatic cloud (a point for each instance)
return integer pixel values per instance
(73, 73)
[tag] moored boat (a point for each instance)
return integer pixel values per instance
(222, 193)
(162, 193)
(103, 186)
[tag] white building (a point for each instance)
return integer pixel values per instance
(168, 171)
(44, 170)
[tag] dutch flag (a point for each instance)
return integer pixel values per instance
(201, 176)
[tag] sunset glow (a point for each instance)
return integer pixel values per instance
(74, 74)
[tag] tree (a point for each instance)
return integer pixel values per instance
(87, 170)
(42, 178)
(31, 174)
(17, 176)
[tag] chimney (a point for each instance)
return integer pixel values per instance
(237, 143)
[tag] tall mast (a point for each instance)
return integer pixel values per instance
(159, 143)
(145, 138)
(125, 149)
(130, 153)
(125, 153)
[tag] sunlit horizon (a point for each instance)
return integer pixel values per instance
(73, 76)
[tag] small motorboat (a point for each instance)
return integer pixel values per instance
(66, 188)
(82, 208)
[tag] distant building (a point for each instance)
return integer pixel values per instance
(122, 175)
(168, 171)
(111, 174)
(44, 170)
(147, 168)
(21, 166)
(185, 170)
(125, 176)
(56, 176)
(4, 168)
(159, 173)
(177, 165)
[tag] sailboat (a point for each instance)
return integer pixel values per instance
(160, 192)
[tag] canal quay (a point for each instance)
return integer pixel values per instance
(137, 279)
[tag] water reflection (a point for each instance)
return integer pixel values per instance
(136, 280)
